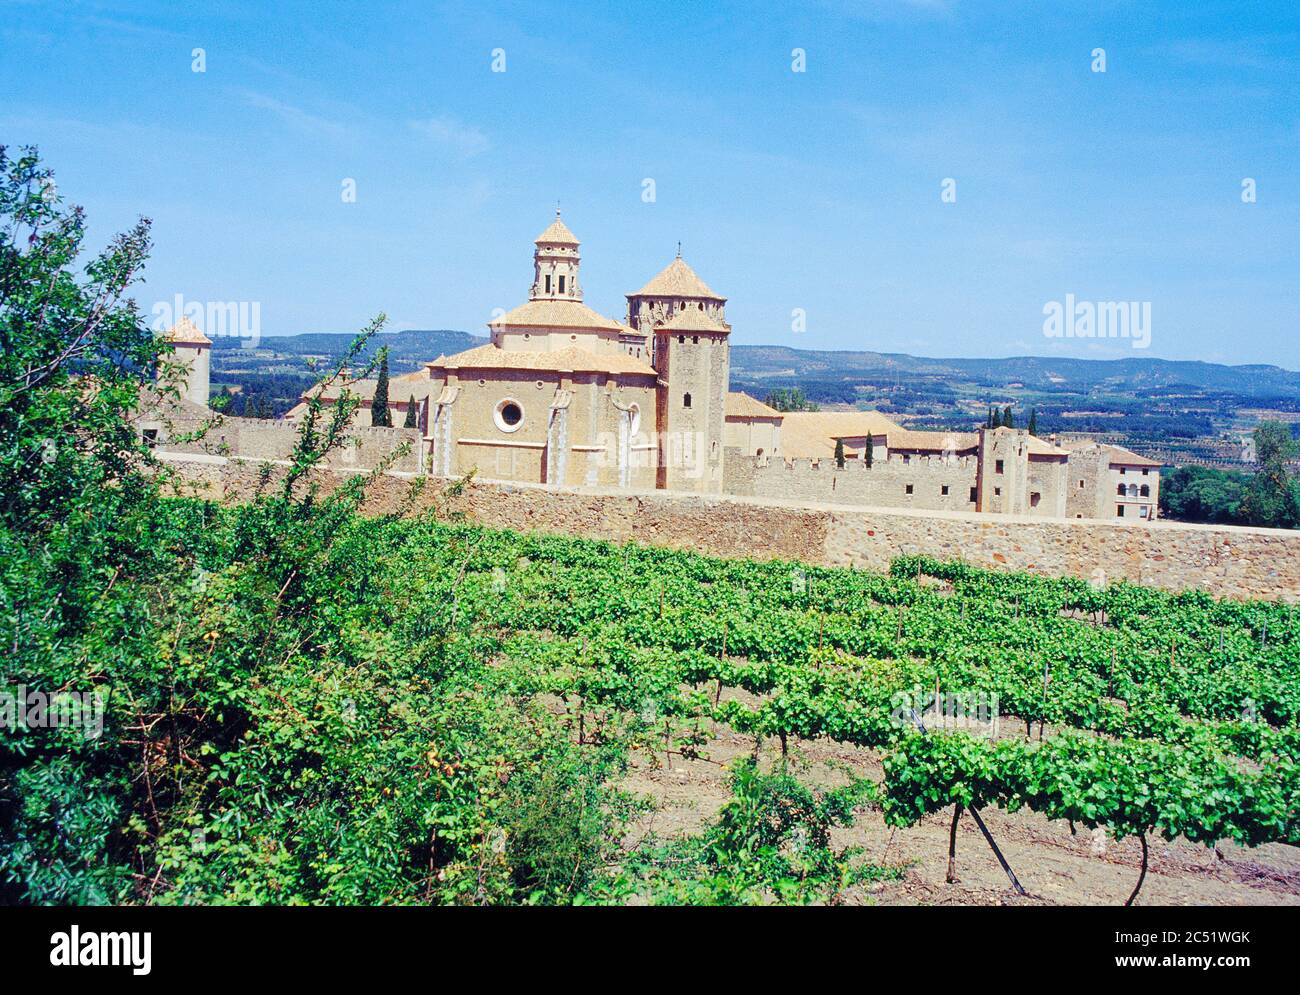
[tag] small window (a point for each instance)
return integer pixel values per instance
(974, 495)
(695, 340)
(944, 490)
(909, 489)
(1145, 490)
(1120, 490)
(759, 453)
(1119, 510)
(997, 466)
(1080, 488)
(681, 340)
(561, 284)
(1034, 498)
(997, 492)
(548, 283)
(686, 400)
(1144, 473)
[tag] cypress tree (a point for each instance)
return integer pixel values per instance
(870, 452)
(839, 453)
(1033, 421)
(379, 414)
(410, 414)
(1007, 420)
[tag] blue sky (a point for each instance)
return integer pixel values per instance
(818, 190)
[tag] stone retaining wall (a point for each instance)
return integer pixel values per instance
(1227, 561)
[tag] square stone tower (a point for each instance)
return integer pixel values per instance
(692, 355)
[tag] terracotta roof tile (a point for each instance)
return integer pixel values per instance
(489, 357)
(677, 280)
(555, 314)
(744, 406)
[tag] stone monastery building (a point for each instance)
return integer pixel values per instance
(563, 395)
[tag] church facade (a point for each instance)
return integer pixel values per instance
(564, 395)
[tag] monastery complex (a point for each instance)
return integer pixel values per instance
(563, 395)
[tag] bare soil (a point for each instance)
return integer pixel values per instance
(1055, 866)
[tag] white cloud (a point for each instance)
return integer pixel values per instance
(464, 139)
(295, 117)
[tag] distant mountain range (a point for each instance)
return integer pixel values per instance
(751, 363)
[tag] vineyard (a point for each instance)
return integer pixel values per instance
(1125, 709)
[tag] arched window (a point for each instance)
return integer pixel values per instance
(686, 400)
(1120, 490)
(1145, 490)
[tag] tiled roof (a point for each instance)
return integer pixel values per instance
(813, 433)
(677, 280)
(907, 438)
(186, 331)
(400, 388)
(744, 406)
(572, 359)
(557, 232)
(556, 314)
(693, 319)
(1115, 454)
(1126, 457)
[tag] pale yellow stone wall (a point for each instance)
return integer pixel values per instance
(695, 364)
(751, 437)
(255, 438)
(936, 483)
(1227, 561)
(592, 435)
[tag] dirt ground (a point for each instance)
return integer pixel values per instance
(1055, 867)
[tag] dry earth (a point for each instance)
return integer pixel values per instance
(1055, 867)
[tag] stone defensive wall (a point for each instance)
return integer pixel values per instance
(260, 439)
(1224, 560)
(936, 483)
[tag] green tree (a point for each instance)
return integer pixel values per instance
(1271, 500)
(790, 399)
(839, 453)
(410, 414)
(379, 413)
(870, 452)
(1033, 421)
(1008, 421)
(1203, 494)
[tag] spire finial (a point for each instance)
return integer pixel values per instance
(557, 207)
(679, 249)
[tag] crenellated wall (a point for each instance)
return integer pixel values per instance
(884, 484)
(365, 447)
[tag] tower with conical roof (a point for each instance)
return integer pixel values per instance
(193, 351)
(555, 264)
(692, 355)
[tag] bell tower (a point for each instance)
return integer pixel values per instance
(555, 264)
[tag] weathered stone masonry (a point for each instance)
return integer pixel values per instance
(1227, 561)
